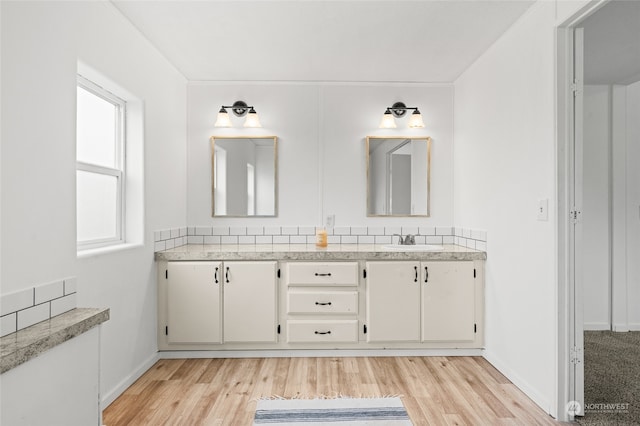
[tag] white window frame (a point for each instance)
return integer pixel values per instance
(118, 172)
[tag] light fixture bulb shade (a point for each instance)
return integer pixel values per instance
(252, 119)
(415, 121)
(388, 122)
(223, 119)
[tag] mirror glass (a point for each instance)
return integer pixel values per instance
(244, 176)
(398, 170)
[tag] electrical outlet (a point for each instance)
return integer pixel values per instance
(543, 209)
(330, 221)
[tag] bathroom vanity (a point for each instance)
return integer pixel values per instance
(284, 297)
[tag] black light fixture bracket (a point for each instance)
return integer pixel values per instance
(399, 109)
(239, 108)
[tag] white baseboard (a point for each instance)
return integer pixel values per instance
(114, 393)
(621, 327)
(596, 326)
(634, 327)
(541, 400)
(298, 353)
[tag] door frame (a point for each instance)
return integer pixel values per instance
(569, 318)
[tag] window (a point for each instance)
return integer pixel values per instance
(100, 166)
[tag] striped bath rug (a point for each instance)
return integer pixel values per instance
(339, 411)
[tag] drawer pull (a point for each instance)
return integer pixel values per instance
(323, 303)
(323, 275)
(426, 274)
(226, 275)
(415, 280)
(323, 332)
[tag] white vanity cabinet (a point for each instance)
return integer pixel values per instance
(434, 302)
(211, 303)
(321, 302)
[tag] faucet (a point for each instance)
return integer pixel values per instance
(409, 240)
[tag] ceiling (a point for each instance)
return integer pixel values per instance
(612, 44)
(269, 40)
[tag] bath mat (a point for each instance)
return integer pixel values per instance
(333, 412)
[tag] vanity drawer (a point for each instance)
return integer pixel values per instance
(302, 331)
(322, 273)
(322, 302)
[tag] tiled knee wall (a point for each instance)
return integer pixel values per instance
(32, 305)
(170, 238)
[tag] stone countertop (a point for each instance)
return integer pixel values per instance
(311, 252)
(23, 345)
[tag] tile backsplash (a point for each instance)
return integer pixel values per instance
(35, 304)
(176, 237)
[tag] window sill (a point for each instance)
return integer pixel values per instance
(106, 250)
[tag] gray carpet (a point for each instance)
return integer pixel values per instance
(611, 378)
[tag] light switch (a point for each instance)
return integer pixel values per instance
(330, 221)
(543, 209)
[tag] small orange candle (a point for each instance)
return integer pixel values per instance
(321, 238)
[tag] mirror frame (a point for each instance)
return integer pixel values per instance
(367, 159)
(212, 139)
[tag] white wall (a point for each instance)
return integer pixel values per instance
(596, 272)
(504, 159)
(321, 131)
(42, 43)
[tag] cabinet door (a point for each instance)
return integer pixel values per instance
(193, 302)
(393, 302)
(448, 301)
(250, 301)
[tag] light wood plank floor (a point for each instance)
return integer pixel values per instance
(435, 390)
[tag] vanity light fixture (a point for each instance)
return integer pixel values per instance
(398, 110)
(240, 109)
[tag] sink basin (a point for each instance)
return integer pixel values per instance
(415, 247)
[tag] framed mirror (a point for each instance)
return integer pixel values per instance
(398, 175)
(244, 174)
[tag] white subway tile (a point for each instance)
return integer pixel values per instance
(448, 239)
(366, 239)
(390, 230)
(434, 239)
(358, 230)
(203, 230)
(329, 230)
(289, 230)
(159, 246)
(375, 230)
(8, 324)
(175, 232)
(466, 232)
(427, 230)
(181, 241)
(311, 239)
(383, 239)
(457, 232)
(264, 239)
(333, 239)
(246, 239)
(229, 239)
(157, 236)
(49, 291)
(444, 230)
(195, 239)
(13, 302)
(410, 230)
(62, 305)
(70, 285)
(421, 239)
(237, 230)
(280, 239)
(220, 230)
(271, 230)
(349, 239)
(306, 230)
(478, 234)
(341, 230)
(471, 244)
(298, 239)
(33, 315)
(255, 230)
(481, 245)
(169, 244)
(191, 230)
(183, 231)
(165, 234)
(211, 239)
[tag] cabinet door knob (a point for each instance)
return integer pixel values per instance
(426, 274)
(215, 276)
(323, 303)
(226, 275)
(323, 332)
